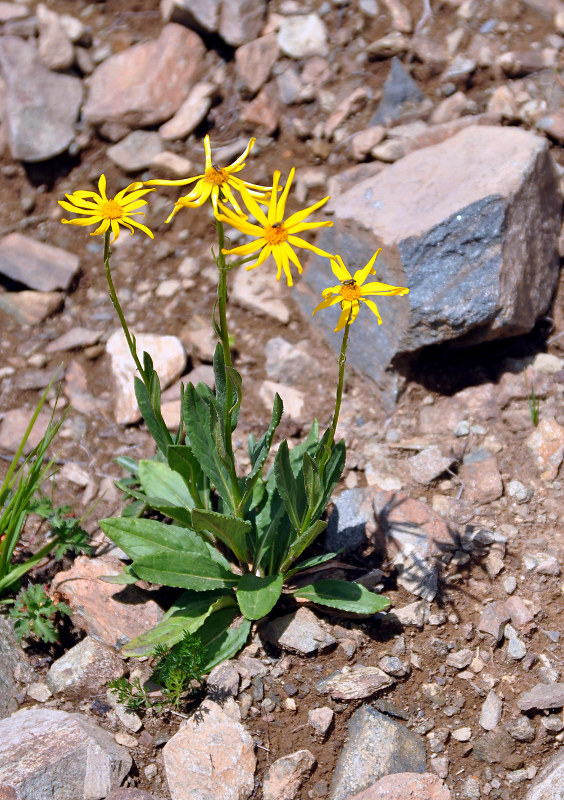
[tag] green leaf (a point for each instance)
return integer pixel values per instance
(286, 483)
(152, 413)
(302, 542)
(160, 481)
(191, 568)
(188, 613)
(344, 596)
(220, 376)
(331, 475)
(182, 460)
(310, 562)
(312, 481)
(198, 427)
(126, 577)
(177, 513)
(258, 451)
(257, 596)
(237, 383)
(143, 537)
(231, 531)
(221, 638)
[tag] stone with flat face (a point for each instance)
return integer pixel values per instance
(36, 264)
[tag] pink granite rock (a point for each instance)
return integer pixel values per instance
(406, 786)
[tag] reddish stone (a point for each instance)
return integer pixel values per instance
(264, 110)
(109, 612)
(404, 521)
(547, 444)
(254, 61)
(481, 479)
(147, 83)
(403, 785)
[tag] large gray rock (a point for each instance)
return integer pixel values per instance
(40, 107)
(36, 264)
(549, 783)
(11, 657)
(48, 753)
(376, 746)
(85, 669)
(469, 225)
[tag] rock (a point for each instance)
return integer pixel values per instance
(11, 10)
(254, 62)
(76, 389)
(462, 734)
(355, 684)
(471, 187)
(264, 110)
(241, 20)
(549, 783)
(30, 308)
(302, 36)
(546, 443)
(108, 612)
(351, 104)
(300, 632)
(520, 614)
(392, 665)
(74, 339)
(420, 576)
(405, 785)
(519, 492)
(400, 93)
(490, 714)
(202, 15)
(521, 729)
(497, 747)
(55, 47)
(451, 108)
(493, 619)
(480, 476)
(14, 424)
(11, 656)
(128, 718)
(393, 44)
(321, 720)
(223, 681)
(376, 746)
(39, 692)
(136, 152)
(85, 669)
(460, 659)
(35, 264)
(401, 18)
(131, 794)
(49, 753)
(169, 358)
(147, 83)
(170, 165)
(260, 293)
(428, 465)
(350, 521)
(292, 398)
(364, 141)
(411, 615)
(288, 363)
(285, 777)
(190, 114)
(40, 107)
(210, 757)
(406, 523)
(541, 697)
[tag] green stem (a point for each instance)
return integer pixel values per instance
(224, 336)
(129, 338)
(338, 399)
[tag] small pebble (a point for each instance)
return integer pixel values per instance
(125, 739)
(510, 584)
(462, 734)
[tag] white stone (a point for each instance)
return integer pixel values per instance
(169, 359)
(303, 36)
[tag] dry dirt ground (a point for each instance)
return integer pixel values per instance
(95, 441)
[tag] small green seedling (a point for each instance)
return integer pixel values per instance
(33, 613)
(532, 400)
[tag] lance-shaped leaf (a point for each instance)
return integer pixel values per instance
(223, 636)
(259, 451)
(150, 408)
(159, 480)
(188, 613)
(257, 596)
(177, 513)
(314, 561)
(286, 483)
(230, 530)
(143, 537)
(344, 596)
(302, 542)
(197, 421)
(193, 567)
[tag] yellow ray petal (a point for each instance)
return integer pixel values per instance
(245, 249)
(297, 242)
(339, 269)
(272, 212)
(383, 288)
(344, 318)
(308, 226)
(362, 274)
(281, 205)
(296, 218)
(102, 187)
(374, 308)
(253, 206)
(327, 303)
(239, 161)
(87, 221)
(207, 148)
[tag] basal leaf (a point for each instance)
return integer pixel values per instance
(310, 562)
(302, 542)
(188, 613)
(257, 596)
(259, 451)
(344, 596)
(159, 480)
(286, 483)
(230, 530)
(152, 416)
(224, 636)
(186, 570)
(142, 537)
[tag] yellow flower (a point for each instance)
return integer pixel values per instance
(274, 235)
(213, 181)
(112, 212)
(350, 292)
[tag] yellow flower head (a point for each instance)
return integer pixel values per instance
(350, 292)
(212, 182)
(110, 213)
(273, 234)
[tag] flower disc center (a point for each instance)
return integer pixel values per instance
(350, 291)
(275, 234)
(216, 175)
(111, 210)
